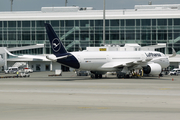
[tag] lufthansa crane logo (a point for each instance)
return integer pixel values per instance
(56, 45)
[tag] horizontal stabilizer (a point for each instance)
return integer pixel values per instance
(54, 58)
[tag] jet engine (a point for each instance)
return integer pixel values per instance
(153, 69)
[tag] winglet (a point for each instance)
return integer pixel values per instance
(9, 52)
(174, 53)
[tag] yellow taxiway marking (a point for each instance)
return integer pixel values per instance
(164, 88)
(94, 108)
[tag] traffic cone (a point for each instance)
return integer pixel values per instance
(172, 79)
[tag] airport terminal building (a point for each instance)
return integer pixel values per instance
(23, 32)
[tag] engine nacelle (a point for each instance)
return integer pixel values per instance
(153, 69)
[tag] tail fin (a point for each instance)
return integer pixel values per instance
(56, 45)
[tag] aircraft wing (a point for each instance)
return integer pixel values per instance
(125, 64)
(39, 57)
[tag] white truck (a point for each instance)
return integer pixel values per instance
(29, 70)
(175, 71)
(11, 70)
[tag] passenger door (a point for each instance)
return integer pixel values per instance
(108, 58)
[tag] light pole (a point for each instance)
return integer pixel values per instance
(104, 23)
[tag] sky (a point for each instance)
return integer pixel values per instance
(35, 5)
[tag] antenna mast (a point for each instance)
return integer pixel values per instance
(11, 4)
(66, 2)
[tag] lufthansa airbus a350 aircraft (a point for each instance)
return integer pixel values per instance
(100, 62)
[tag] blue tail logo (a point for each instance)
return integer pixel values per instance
(56, 45)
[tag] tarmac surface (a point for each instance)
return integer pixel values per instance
(71, 97)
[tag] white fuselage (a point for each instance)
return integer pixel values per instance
(95, 60)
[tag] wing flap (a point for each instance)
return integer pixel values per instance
(112, 64)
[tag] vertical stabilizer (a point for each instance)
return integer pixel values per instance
(56, 45)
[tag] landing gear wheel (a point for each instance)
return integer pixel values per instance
(100, 75)
(92, 76)
(118, 76)
(122, 76)
(127, 76)
(96, 75)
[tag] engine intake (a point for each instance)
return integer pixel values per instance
(153, 69)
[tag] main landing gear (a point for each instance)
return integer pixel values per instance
(122, 75)
(132, 74)
(96, 76)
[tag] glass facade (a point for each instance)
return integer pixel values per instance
(79, 34)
